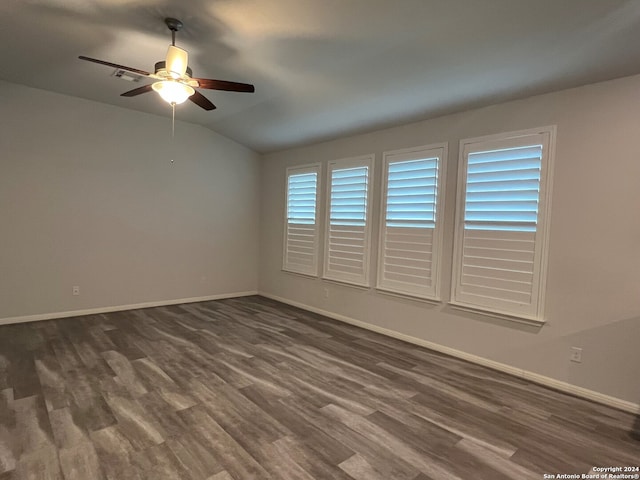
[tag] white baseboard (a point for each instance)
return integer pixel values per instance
(502, 367)
(119, 308)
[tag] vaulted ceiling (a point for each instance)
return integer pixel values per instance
(323, 68)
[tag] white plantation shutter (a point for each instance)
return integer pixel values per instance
(348, 225)
(502, 223)
(410, 231)
(301, 226)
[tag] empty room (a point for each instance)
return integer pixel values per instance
(303, 239)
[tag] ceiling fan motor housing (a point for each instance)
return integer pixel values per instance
(161, 66)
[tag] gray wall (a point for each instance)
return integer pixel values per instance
(593, 287)
(88, 197)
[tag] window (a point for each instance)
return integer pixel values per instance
(347, 239)
(301, 226)
(501, 223)
(410, 232)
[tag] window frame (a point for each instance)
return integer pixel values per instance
(300, 170)
(368, 161)
(440, 151)
(534, 313)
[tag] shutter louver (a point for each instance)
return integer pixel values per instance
(499, 247)
(301, 242)
(408, 259)
(347, 243)
(498, 267)
(503, 188)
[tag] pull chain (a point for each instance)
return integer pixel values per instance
(173, 127)
(173, 120)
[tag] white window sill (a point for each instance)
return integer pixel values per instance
(358, 286)
(408, 296)
(523, 319)
(300, 274)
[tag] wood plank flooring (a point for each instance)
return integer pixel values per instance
(252, 389)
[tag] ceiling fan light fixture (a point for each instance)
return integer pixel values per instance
(173, 92)
(177, 61)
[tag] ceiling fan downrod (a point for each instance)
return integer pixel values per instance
(174, 25)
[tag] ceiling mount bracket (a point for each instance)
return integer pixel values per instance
(174, 25)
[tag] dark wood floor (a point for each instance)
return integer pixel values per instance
(253, 389)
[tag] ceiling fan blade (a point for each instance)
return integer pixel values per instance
(114, 65)
(137, 91)
(202, 101)
(224, 85)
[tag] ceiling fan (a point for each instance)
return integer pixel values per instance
(175, 82)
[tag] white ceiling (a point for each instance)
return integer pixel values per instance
(323, 68)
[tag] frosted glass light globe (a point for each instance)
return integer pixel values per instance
(173, 92)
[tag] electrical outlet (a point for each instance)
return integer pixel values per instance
(576, 354)
(76, 290)
(326, 293)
